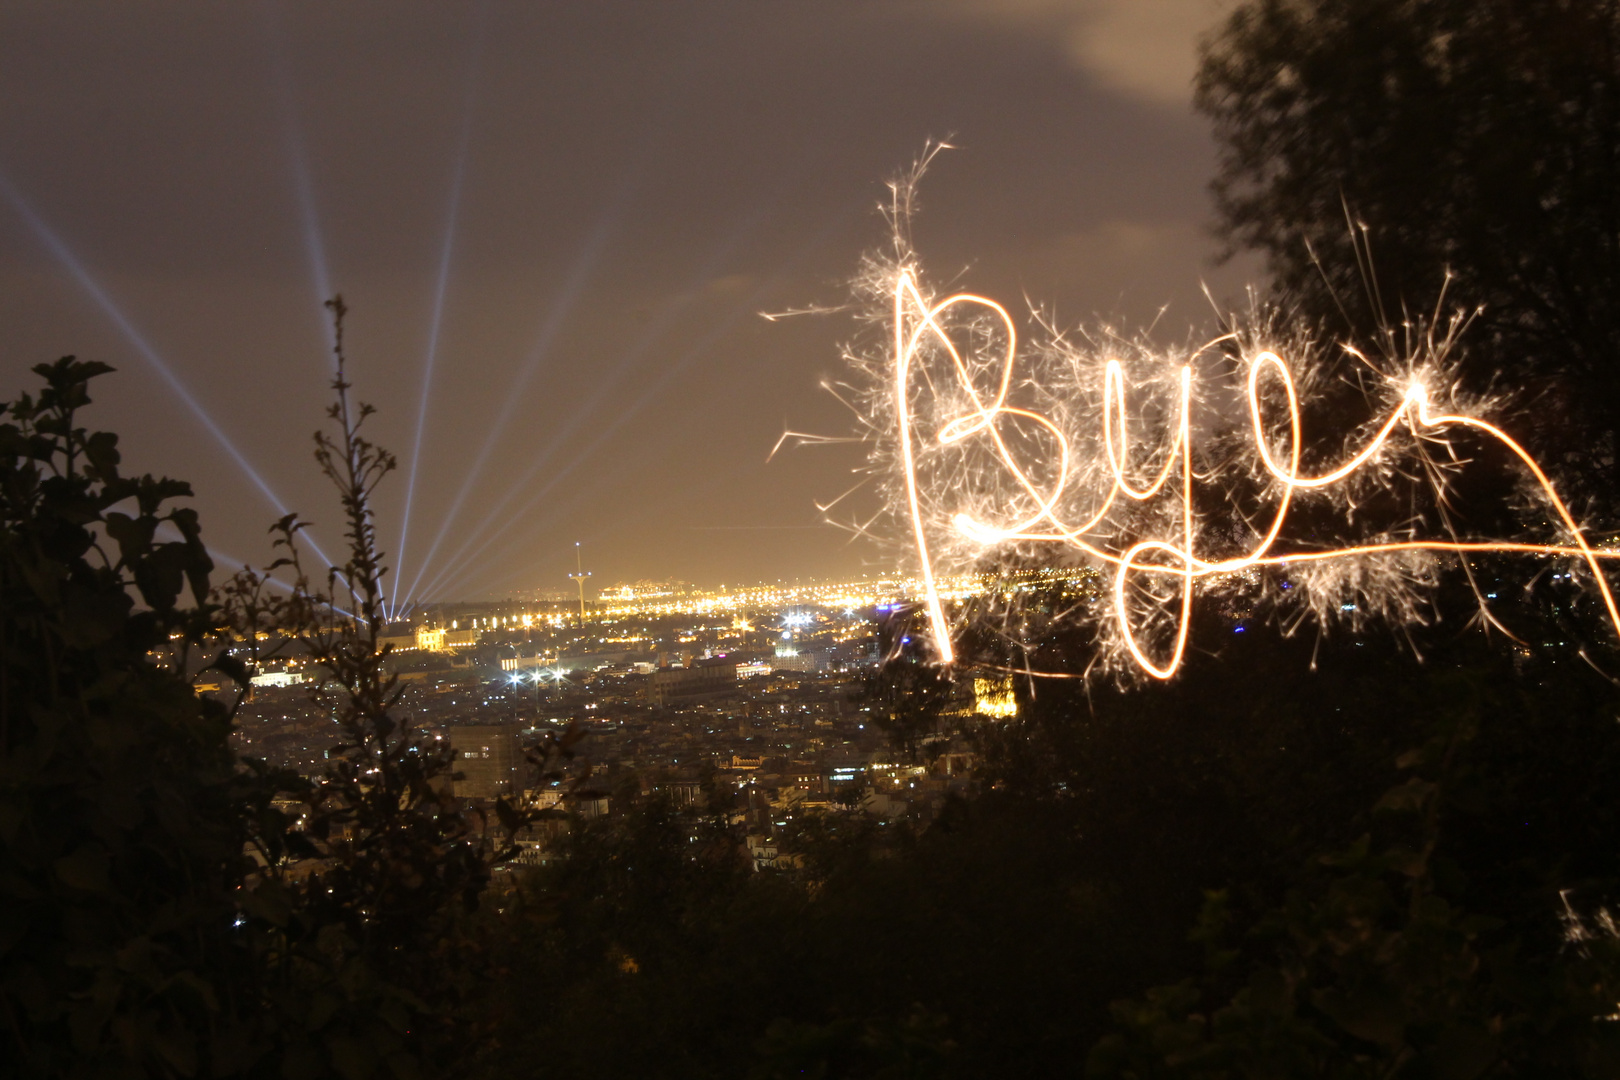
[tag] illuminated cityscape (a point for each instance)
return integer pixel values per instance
(751, 694)
(957, 540)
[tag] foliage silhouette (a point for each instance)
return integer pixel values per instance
(368, 925)
(124, 814)
(1381, 961)
(171, 909)
(1375, 150)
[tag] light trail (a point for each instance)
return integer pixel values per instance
(66, 257)
(652, 392)
(1061, 471)
(298, 161)
(561, 306)
(457, 568)
(580, 413)
(446, 249)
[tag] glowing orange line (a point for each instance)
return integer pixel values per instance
(903, 354)
(1181, 560)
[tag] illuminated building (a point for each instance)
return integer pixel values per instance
(278, 678)
(397, 641)
(789, 658)
(519, 664)
(430, 639)
(487, 760)
(438, 639)
(994, 698)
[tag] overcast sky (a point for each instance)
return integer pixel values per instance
(556, 225)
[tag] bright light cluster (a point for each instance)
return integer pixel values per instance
(1177, 476)
(742, 600)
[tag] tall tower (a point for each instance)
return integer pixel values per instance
(579, 576)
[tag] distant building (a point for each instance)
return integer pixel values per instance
(430, 639)
(593, 806)
(808, 782)
(883, 804)
(790, 656)
(764, 851)
(643, 592)
(751, 668)
(521, 664)
(464, 638)
(278, 678)
(487, 757)
(797, 661)
(398, 640)
(438, 639)
(994, 697)
(698, 679)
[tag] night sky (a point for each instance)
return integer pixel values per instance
(564, 219)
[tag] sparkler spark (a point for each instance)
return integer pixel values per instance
(1175, 482)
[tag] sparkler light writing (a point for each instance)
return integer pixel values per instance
(1084, 453)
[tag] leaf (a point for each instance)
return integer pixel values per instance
(231, 1050)
(323, 1006)
(269, 900)
(134, 535)
(85, 869)
(1408, 797)
(302, 1061)
(88, 619)
(198, 564)
(199, 986)
(1462, 1052)
(178, 1047)
(101, 450)
(1269, 991)
(1413, 758)
(232, 667)
(510, 819)
(353, 1058)
(1371, 1012)
(404, 1067)
(161, 575)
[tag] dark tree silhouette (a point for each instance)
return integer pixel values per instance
(169, 909)
(365, 923)
(123, 813)
(1369, 148)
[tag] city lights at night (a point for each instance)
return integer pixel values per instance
(748, 539)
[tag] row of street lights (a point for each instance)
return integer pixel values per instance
(555, 674)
